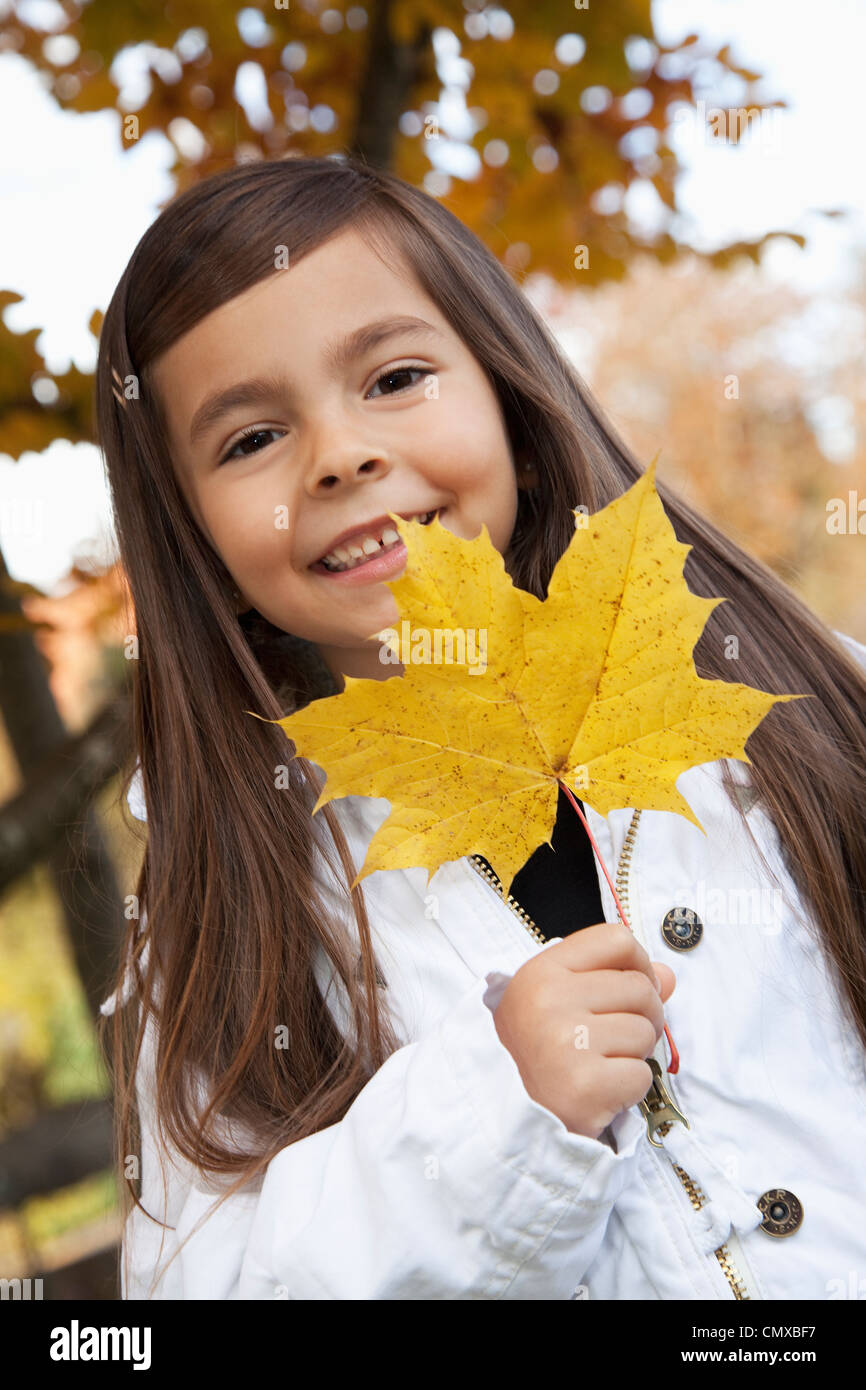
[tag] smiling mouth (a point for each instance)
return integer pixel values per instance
(358, 555)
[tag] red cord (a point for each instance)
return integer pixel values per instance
(674, 1064)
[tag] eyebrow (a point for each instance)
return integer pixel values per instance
(261, 390)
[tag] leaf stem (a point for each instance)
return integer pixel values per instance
(674, 1064)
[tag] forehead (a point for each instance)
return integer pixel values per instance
(330, 290)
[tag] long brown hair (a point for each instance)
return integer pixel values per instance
(227, 882)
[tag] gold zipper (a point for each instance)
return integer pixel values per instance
(478, 863)
(723, 1254)
(657, 1103)
(657, 1107)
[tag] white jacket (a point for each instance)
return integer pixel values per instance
(446, 1181)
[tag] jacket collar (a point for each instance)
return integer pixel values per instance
(478, 923)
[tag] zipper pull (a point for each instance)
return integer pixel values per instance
(657, 1106)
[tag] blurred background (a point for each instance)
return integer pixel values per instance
(677, 187)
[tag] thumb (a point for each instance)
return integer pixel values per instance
(666, 978)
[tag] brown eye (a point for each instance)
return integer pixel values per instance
(254, 433)
(397, 372)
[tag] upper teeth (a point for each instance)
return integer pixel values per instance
(355, 551)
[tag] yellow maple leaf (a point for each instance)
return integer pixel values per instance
(594, 687)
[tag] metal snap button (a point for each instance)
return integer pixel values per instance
(782, 1210)
(682, 928)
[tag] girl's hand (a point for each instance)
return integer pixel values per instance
(579, 1018)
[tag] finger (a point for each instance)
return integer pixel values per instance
(608, 945)
(666, 977)
(622, 1035)
(627, 1079)
(622, 992)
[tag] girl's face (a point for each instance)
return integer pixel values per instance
(345, 423)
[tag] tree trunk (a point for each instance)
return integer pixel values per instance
(390, 73)
(59, 789)
(83, 873)
(62, 1146)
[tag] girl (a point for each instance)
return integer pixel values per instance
(403, 1093)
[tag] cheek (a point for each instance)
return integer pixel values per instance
(246, 534)
(471, 450)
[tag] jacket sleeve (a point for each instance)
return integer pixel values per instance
(444, 1180)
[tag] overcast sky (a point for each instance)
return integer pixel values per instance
(74, 207)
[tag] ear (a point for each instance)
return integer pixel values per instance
(237, 599)
(527, 473)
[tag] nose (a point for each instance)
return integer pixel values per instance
(343, 465)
